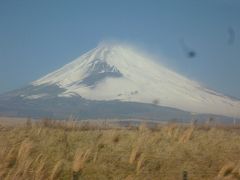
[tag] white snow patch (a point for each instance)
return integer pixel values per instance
(35, 96)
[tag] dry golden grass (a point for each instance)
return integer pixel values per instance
(56, 170)
(230, 171)
(99, 150)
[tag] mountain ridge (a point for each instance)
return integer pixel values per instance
(120, 73)
(136, 78)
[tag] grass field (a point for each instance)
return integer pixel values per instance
(49, 149)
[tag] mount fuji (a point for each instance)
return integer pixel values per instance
(117, 81)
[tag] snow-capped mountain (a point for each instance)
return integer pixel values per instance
(119, 72)
(119, 76)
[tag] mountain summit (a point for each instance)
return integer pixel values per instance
(119, 73)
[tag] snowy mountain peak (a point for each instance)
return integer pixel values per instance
(119, 72)
(106, 60)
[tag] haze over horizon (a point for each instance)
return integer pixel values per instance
(38, 37)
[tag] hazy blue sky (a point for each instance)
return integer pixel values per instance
(37, 37)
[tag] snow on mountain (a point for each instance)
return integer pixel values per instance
(120, 72)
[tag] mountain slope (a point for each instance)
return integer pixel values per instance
(118, 72)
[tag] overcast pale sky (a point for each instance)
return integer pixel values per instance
(37, 37)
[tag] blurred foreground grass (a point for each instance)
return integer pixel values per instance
(49, 149)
